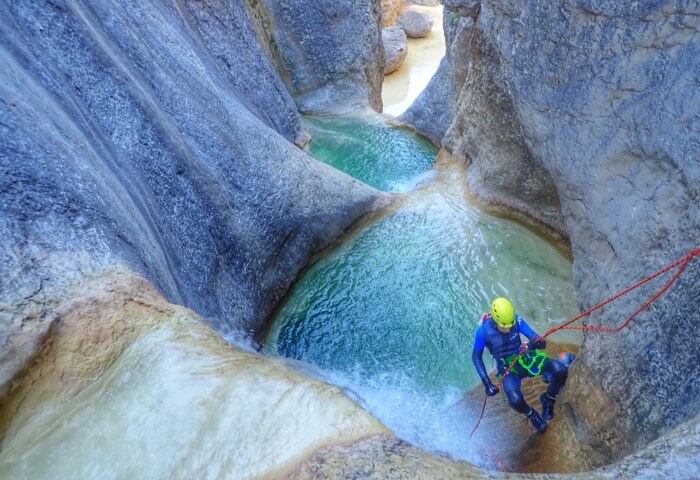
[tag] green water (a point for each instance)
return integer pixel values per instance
(369, 150)
(391, 314)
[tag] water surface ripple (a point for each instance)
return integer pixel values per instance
(391, 314)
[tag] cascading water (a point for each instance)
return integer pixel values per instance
(390, 315)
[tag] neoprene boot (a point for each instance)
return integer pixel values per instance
(537, 422)
(547, 406)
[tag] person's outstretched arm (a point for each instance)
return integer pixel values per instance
(478, 359)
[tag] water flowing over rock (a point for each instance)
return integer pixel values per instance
(157, 136)
(595, 106)
(329, 53)
(130, 383)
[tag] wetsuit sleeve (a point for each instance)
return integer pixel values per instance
(535, 339)
(477, 356)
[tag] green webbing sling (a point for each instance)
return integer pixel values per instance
(531, 362)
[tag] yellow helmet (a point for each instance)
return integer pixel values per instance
(503, 312)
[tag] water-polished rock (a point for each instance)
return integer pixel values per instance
(590, 107)
(415, 24)
(395, 48)
(330, 52)
(140, 133)
(128, 385)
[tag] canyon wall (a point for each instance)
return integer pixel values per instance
(158, 135)
(584, 117)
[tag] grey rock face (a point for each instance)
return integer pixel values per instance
(465, 8)
(396, 49)
(596, 103)
(432, 112)
(607, 99)
(486, 131)
(415, 24)
(329, 52)
(131, 135)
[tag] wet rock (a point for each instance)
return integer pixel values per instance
(395, 48)
(415, 24)
(329, 52)
(609, 113)
(585, 113)
(165, 145)
(125, 377)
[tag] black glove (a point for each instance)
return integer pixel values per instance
(537, 344)
(491, 389)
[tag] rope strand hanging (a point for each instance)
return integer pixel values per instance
(681, 263)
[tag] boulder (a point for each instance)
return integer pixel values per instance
(425, 3)
(395, 48)
(415, 24)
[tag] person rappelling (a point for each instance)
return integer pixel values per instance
(500, 332)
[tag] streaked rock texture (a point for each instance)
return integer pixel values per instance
(589, 112)
(158, 135)
(127, 383)
(329, 52)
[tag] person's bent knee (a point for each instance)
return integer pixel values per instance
(517, 402)
(558, 372)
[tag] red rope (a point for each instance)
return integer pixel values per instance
(683, 262)
(496, 460)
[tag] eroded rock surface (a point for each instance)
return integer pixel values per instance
(143, 133)
(588, 112)
(330, 53)
(127, 384)
(391, 10)
(396, 49)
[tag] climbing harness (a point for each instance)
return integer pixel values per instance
(532, 362)
(681, 263)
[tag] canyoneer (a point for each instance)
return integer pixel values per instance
(500, 332)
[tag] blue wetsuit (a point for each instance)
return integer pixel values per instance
(504, 345)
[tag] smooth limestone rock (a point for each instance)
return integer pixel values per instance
(594, 105)
(329, 53)
(608, 101)
(128, 385)
(395, 48)
(486, 132)
(132, 135)
(415, 24)
(432, 112)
